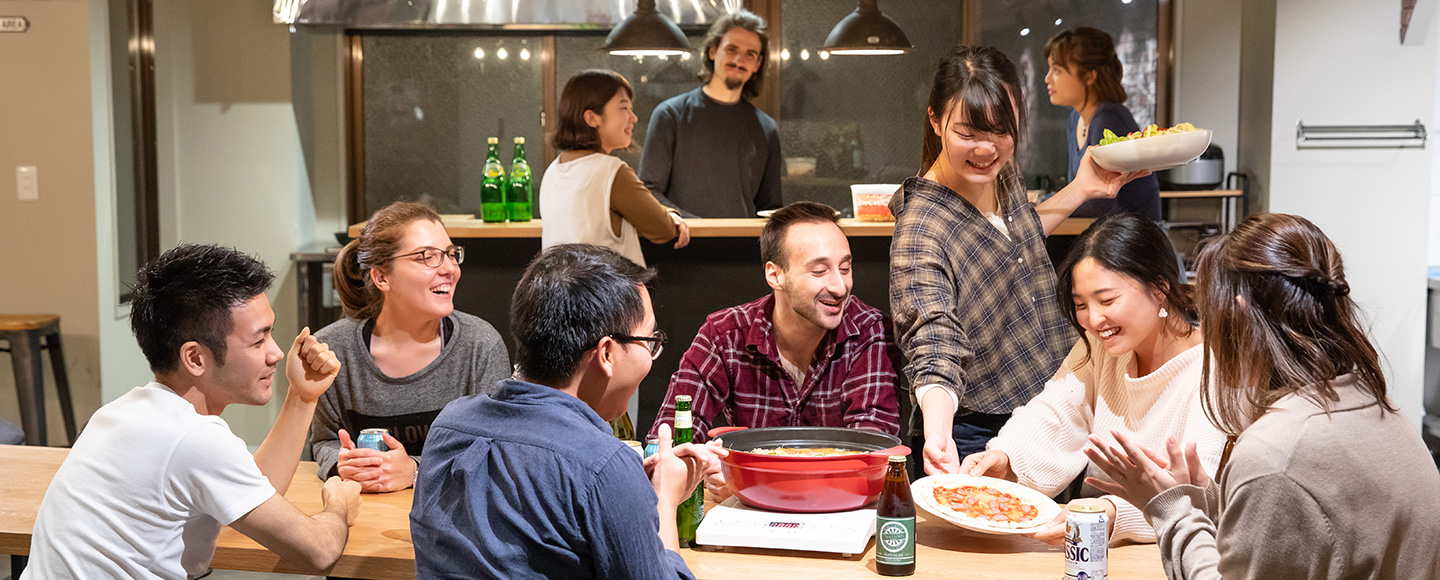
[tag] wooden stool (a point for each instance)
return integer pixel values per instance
(23, 333)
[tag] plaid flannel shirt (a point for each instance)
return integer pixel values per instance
(732, 372)
(975, 312)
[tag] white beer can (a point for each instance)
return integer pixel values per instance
(1086, 543)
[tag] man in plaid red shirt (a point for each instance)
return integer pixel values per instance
(808, 354)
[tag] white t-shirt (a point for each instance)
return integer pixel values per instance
(143, 492)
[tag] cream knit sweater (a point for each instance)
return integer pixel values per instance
(1046, 438)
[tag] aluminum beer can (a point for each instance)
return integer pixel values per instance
(1086, 543)
(372, 439)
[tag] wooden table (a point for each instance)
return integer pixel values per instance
(380, 547)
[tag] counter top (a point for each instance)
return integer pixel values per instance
(466, 226)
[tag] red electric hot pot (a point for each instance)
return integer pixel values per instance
(806, 484)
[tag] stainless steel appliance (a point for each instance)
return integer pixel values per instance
(1205, 172)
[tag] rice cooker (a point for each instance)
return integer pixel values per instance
(1204, 172)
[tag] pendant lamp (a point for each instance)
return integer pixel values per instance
(646, 33)
(867, 31)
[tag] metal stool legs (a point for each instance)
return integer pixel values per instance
(25, 354)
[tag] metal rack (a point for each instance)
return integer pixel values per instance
(1359, 136)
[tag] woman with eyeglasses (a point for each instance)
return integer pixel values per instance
(405, 352)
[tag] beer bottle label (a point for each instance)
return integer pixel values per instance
(682, 420)
(895, 541)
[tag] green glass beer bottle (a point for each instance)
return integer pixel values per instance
(895, 523)
(492, 189)
(623, 427)
(517, 200)
(691, 511)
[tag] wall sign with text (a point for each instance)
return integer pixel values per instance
(14, 24)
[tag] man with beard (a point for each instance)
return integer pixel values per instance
(709, 152)
(809, 354)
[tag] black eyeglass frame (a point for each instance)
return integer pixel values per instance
(456, 253)
(655, 344)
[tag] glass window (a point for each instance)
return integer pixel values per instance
(432, 101)
(856, 119)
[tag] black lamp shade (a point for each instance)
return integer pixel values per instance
(646, 33)
(867, 31)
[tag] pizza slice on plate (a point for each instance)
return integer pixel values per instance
(985, 505)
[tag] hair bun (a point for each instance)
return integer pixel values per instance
(1338, 287)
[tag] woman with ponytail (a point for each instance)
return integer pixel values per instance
(404, 350)
(971, 287)
(1322, 477)
(1085, 75)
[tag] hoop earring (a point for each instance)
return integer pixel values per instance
(1163, 312)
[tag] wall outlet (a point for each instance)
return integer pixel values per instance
(27, 183)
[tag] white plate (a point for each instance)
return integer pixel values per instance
(922, 490)
(1152, 153)
(765, 213)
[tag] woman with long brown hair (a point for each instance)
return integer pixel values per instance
(971, 287)
(1325, 477)
(404, 350)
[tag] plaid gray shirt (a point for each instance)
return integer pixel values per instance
(975, 312)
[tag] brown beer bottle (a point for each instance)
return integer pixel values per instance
(895, 523)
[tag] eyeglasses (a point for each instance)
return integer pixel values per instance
(434, 257)
(656, 343)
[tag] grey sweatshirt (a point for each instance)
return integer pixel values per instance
(473, 361)
(1350, 495)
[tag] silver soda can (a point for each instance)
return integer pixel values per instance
(372, 439)
(1086, 543)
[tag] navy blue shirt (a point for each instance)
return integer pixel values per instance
(530, 483)
(1141, 196)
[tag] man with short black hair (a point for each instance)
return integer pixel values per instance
(156, 472)
(709, 152)
(528, 482)
(807, 354)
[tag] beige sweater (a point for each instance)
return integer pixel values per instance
(1353, 494)
(1046, 438)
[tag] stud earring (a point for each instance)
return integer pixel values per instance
(1163, 312)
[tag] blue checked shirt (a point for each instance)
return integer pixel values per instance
(975, 312)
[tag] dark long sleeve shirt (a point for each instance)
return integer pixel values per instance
(710, 159)
(529, 483)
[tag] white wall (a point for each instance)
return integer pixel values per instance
(231, 169)
(1207, 70)
(1340, 62)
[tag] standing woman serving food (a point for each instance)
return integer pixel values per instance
(404, 350)
(1085, 75)
(589, 196)
(971, 287)
(1326, 478)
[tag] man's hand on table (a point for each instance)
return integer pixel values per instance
(376, 471)
(343, 496)
(682, 231)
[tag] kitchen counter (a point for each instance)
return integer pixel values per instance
(467, 226)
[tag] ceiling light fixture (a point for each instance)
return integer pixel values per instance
(867, 31)
(646, 33)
